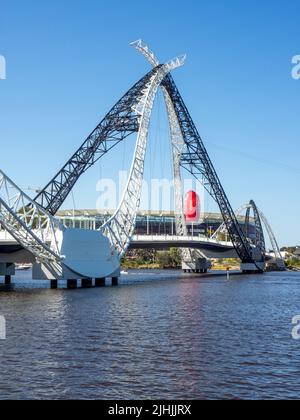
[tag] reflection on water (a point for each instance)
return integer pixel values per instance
(156, 336)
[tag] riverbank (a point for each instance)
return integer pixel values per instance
(171, 260)
(133, 265)
(168, 260)
(149, 259)
(293, 264)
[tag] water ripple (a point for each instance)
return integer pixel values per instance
(156, 336)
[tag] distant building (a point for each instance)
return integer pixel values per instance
(285, 255)
(297, 253)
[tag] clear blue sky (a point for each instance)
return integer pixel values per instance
(69, 61)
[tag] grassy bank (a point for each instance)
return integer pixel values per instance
(151, 259)
(225, 264)
(134, 265)
(293, 263)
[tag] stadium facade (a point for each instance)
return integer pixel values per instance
(148, 223)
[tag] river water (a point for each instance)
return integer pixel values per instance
(157, 336)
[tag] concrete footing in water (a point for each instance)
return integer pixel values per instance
(253, 268)
(86, 283)
(53, 284)
(199, 265)
(100, 283)
(7, 280)
(115, 281)
(72, 284)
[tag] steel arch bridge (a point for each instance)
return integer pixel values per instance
(61, 252)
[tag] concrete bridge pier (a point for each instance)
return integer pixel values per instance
(72, 284)
(7, 280)
(53, 284)
(200, 265)
(253, 268)
(100, 282)
(86, 283)
(115, 281)
(7, 270)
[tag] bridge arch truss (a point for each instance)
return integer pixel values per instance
(260, 222)
(130, 115)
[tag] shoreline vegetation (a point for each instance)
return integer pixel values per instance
(170, 260)
(149, 259)
(292, 261)
(293, 264)
(145, 259)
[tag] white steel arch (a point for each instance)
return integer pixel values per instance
(43, 235)
(176, 139)
(222, 228)
(273, 240)
(120, 227)
(275, 247)
(178, 147)
(177, 150)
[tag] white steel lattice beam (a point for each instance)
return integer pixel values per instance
(30, 225)
(222, 228)
(272, 237)
(177, 150)
(265, 222)
(36, 230)
(176, 139)
(120, 227)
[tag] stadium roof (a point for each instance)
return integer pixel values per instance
(90, 213)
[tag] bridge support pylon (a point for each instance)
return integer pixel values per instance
(199, 265)
(72, 284)
(53, 284)
(7, 280)
(100, 282)
(253, 268)
(115, 281)
(86, 283)
(87, 255)
(7, 270)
